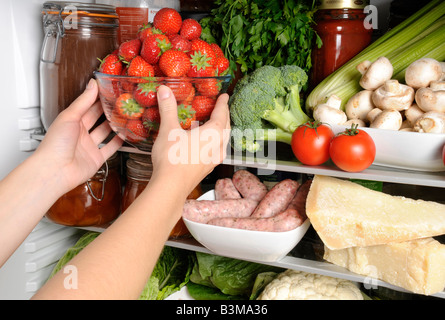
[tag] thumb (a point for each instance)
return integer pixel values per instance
(168, 108)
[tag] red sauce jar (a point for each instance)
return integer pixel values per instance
(340, 25)
(96, 202)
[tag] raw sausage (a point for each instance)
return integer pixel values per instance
(277, 199)
(204, 210)
(284, 221)
(299, 201)
(224, 189)
(249, 185)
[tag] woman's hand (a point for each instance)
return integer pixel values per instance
(188, 156)
(69, 147)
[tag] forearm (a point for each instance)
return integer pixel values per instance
(26, 194)
(118, 263)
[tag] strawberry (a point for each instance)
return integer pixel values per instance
(111, 64)
(205, 49)
(221, 64)
(203, 106)
(147, 30)
(180, 43)
(191, 29)
(200, 66)
(158, 71)
(208, 87)
(136, 132)
(151, 118)
(217, 49)
(181, 89)
(145, 94)
(130, 49)
(138, 67)
(186, 115)
(174, 63)
(154, 46)
(117, 121)
(168, 20)
(126, 106)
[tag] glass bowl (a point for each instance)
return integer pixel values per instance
(130, 103)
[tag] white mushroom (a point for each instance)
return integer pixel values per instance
(375, 74)
(432, 98)
(388, 119)
(330, 112)
(442, 78)
(373, 114)
(406, 126)
(358, 122)
(431, 122)
(393, 95)
(413, 113)
(421, 72)
(359, 105)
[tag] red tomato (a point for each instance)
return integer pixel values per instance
(352, 150)
(310, 143)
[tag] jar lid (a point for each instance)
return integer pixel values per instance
(138, 170)
(104, 15)
(342, 4)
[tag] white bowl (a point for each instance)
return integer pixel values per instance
(245, 244)
(405, 149)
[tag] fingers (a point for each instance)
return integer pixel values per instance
(220, 115)
(111, 147)
(168, 108)
(83, 102)
(92, 115)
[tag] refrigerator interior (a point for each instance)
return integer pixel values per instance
(29, 267)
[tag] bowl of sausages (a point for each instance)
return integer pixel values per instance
(241, 218)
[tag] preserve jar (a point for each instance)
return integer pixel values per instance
(139, 171)
(340, 24)
(75, 36)
(96, 202)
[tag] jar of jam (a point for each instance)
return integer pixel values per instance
(75, 36)
(96, 203)
(139, 170)
(340, 25)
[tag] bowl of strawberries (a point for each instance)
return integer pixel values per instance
(167, 52)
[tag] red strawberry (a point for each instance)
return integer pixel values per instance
(217, 49)
(136, 132)
(205, 49)
(151, 119)
(180, 43)
(145, 94)
(208, 87)
(168, 20)
(200, 66)
(186, 115)
(111, 64)
(127, 106)
(221, 64)
(117, 121)
(140, 68)
(130, 49)
(154, 46)
(203, 106)
(158, 71)
(147, 30)
(191, 29)
(174, 63)
(181, 89)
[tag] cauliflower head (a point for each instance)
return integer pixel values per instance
(299, 285)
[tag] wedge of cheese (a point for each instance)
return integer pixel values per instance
(416, 265)
(346, 214)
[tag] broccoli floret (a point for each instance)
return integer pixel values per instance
(268, 98)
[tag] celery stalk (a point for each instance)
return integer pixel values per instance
(411, 34)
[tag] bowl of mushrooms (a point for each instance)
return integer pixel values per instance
(405, 118)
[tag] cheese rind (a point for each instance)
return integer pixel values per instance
(415, 265)
(346, 214)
